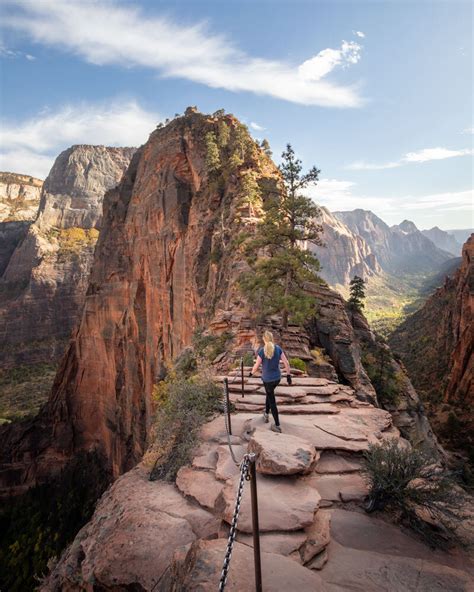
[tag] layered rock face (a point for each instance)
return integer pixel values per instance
(344, 253)
(436, 343)
(19, 202)
(153, 282)
(43, 286)
(400, 248)
(443, 240)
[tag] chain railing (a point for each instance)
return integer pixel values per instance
(247, 473)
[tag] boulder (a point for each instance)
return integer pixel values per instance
(336, 488)
(318, 536)
(282, 454)
(284, 503)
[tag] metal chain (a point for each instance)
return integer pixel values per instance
(227, 429)
(244, 476)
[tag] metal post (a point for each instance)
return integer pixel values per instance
(227, 400)
(255, 525)
(242, 375)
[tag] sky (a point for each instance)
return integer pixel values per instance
(377, 94)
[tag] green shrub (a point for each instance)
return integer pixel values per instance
(248, 359)
(185, 404)
(298, 364)
(208, 346)
(408, 482)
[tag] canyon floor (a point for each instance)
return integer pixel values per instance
(315, 535)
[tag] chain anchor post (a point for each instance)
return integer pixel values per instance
(255, 524)
(227, 404)
(242, 376)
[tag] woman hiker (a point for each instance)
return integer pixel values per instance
(269, 357)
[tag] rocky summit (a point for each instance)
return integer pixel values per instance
(313, 533)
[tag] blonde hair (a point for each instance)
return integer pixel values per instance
(269, 347)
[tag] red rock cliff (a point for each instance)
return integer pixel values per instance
(152, 282)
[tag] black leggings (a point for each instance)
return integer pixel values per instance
(270, 401)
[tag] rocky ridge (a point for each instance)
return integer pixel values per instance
(162, 536)
(42, 287)
(443, 240)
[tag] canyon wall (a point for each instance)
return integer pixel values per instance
(43, 284)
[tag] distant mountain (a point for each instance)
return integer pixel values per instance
(343, 253)
(461, 234)
(444, 240)
(399, 249)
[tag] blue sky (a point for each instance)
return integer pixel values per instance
(377, 94)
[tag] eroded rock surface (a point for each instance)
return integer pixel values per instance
(314, 534)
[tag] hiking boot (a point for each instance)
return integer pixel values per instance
(265, 417)
(276, 428)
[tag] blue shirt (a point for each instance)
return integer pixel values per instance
(271, 366)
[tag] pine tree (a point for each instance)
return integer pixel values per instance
(265, 145)
(357, 293)
(276, 282)
(213, 160)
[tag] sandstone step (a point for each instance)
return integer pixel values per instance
(310, 381)
(284, 503)
(198, 568)
(259, 399)
(318, 536)
(226, 468)
(200, 485)
(331, 462)
(309, 409)
(336, 488)
(283, 543)
(282, 454)
(287, 391)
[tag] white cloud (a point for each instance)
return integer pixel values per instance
(425, 155)
(31, 146)
(468, 130)
(131, 38)
(316, 68)
(422, 209)
(257, 127)
(359, 34)
(5, 52)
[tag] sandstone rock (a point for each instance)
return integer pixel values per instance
(318, 536)
(281, 454)
(200, 485)
(310, 381)
(310, 409)
(336, 463)
(206, 457)
(354, 571)
(131, 538)
(282, 543)
(335, 488)
(283, 503)
(287, 391)
(226, 467)
(319, 561)
(200, 569)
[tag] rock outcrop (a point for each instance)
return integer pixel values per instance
(436, 345)
(43, 286)
(19, 202)
(400, 248)
(19, 197)
(158, 536)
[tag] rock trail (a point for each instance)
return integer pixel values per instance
(314, 534)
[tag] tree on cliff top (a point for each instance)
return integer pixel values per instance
(357, 293)
(277, 279)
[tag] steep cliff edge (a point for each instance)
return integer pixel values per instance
(43, 286)
(436, 346)
(19, 202)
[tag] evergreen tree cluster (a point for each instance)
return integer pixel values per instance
(357, 293)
